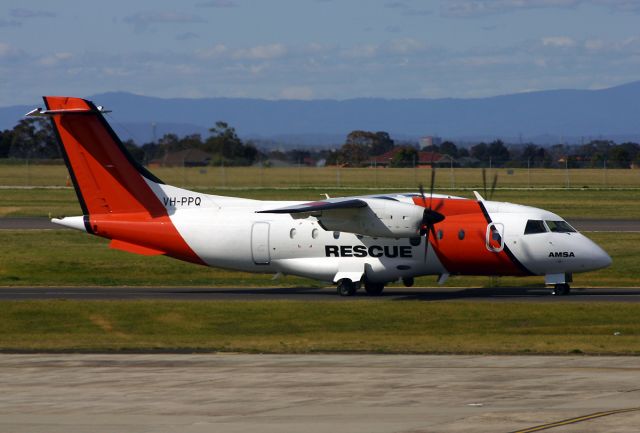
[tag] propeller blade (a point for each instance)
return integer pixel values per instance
(484, 182)
(493, 185)
(424, 200)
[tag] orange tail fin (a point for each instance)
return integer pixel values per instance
(106, 178)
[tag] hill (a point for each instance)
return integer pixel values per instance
(546, 115)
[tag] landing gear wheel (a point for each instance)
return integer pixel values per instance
(346, 287)
(408, 282)
(561, 289)
(374, 289)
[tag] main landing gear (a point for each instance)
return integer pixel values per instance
(347, 287)
(561, 289)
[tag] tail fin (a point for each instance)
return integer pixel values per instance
(115, 192)
(106, 178)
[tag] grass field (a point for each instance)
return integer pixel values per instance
(69, 258)
(571, 204)
(332, 177)
(297, 327)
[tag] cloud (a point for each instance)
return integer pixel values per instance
(54, 59)
(471, 8)
(143, 20)
(297, 92)
(215, 51)
(261, 52)
(30, 13)
(558, 41)
(186, 36)
(217, 4)
(406, 9)
(9, 23)
(9, 52)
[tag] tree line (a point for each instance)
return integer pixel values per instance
(33, 138)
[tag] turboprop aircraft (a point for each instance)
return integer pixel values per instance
(358, 241)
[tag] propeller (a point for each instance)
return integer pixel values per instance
(431, 216)
(494, 183)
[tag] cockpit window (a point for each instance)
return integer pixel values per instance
(560, 227)
(534, 226)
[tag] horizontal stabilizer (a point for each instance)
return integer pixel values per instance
(133, 248)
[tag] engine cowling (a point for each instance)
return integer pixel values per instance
(381, 218)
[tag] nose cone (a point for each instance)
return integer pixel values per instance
(597, 257)
(601, 259)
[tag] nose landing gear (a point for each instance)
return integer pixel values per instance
(561, 289)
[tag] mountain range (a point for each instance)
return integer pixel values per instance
(542, 117)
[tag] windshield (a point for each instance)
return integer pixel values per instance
(560, 227)
(534, 226)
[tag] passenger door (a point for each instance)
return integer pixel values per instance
(260, 243)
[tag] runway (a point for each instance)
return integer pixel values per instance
(587, 225)
(306, 294)
(316, 393)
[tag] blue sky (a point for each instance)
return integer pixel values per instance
(312, 49)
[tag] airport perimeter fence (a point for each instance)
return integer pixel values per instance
(33, 174)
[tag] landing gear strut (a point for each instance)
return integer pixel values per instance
(561, 289)
(346, 287)
(373, 289)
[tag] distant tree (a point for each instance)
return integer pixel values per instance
(134, 150)
(374, 143)
(480, 151)
(227, 147)
(6, 137)
(449, 148)
(498, 153)
(407, 156)
(535, 156)
(33, 138)
(353, 154)
(619, 157)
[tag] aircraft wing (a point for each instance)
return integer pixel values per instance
(368, 216)
(323, 205)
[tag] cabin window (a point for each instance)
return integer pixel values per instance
(440, 234)
(336, 235)
(534, 226)
(292, 233)
(461, 234)
(314, 233)
(415, 241)
(560, 227)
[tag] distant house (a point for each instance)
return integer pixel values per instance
(425, 159)
(183, 158)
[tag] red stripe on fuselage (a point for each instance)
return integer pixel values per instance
(470, 254)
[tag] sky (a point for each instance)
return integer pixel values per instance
(314, 49)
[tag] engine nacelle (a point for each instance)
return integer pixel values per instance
(382, 218)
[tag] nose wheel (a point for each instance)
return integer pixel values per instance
(561, 289)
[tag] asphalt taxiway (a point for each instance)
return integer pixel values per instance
(498, 294)
(317, 393)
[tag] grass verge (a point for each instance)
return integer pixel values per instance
(571, 204)
(296, 327)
